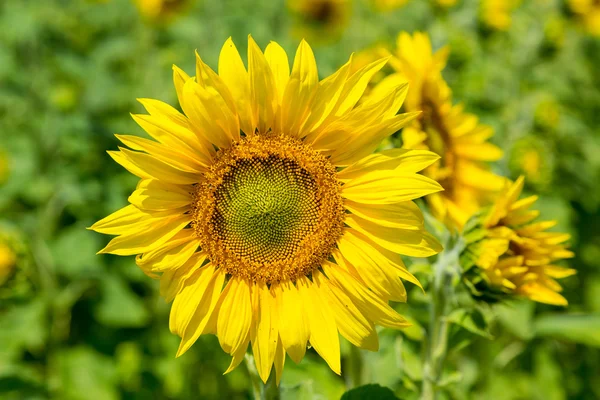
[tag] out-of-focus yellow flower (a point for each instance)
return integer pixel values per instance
(588, 12)
(515, 255)
(4, 166)
(446, 3)
(161, 10)
(387, 5)
(7, 262)
(496, 14)
(263, 211)
(320, 20)
(445, 129)
(531, 157)
(547, 114)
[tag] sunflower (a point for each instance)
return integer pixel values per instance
(496, 14)
(445, 129)
(263, 212)
(8, 259)
(515, 255)
(161, 10)
(588, 12)
(319, 20)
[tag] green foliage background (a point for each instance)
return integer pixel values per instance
(74, 325)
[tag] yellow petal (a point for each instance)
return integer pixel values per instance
(200, 307)
(367, 141)
(128, 165)
(158, 169)
(119, 221)
(170, 257)
(352, 323)
(187, 300)
(279, 361)
(280, 66)
(356, 85)
(266, 335)
(405, 215)
(299, 91)
(235, 315)
(163, 153)
(479, 152)
(262, 88)
(157, 196)
(366, 301)
(177, 135)
(323, 330)
(147, 239)
(293, 323)
(207, 78)
(173, 281)
(388, 187)
(208, 111)
(372, 267)
(410, 243)
(403, 160)
(233, 73)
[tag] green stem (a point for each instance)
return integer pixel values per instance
(261, 391)
(442, 293)
(354, 368)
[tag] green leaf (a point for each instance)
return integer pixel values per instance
(472, 320)
(374, 392)
(579, 328)
(120, 307)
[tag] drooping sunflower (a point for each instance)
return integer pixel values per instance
(588, 12)
(514, 254)
(446, 129)
(319, 20)
(263, 212)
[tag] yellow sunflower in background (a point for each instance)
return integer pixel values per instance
(263, 212)
(445, 129)
(319, 20)
(516, 254)
(588, 12)
(161, 10)
(8, 258)
(496, 14)
(387, 5)
(446, 3)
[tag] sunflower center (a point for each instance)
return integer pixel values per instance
(269, 209)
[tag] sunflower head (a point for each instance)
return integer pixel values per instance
(447, 130)
(262, 211)
(532, 158)
(588, 14)
(511, 253)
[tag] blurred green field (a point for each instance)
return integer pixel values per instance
(76, 325)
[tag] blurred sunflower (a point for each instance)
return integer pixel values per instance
(161, 10)
(588, 12)
(8, 258)
(446, 3)
(514, 255)
(319, 20)
(387, 5)
(263, 212)
(445, 129)
(496, 14)
(533, 158)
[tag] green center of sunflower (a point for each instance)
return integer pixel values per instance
(265, 206)
(269, 209)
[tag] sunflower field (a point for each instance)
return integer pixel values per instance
(299, 199)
